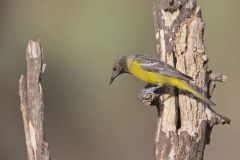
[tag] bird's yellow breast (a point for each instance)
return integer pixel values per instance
(147, 76)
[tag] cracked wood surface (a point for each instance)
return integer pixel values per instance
(31, 103)
(184, 124)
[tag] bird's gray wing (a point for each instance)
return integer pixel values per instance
(153, 64)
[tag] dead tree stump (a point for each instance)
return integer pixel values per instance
(31, 103)
(184, 123)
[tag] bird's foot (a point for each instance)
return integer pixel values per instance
(152, 88)
(169, 96)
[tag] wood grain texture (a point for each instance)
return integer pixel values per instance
(31, 103)
(184, 124)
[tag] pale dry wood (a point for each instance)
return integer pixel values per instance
(184, 124)
(31, 103)
(217, 77)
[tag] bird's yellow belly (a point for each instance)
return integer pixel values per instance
(150, 77)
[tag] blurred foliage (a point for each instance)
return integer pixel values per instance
(84, 118)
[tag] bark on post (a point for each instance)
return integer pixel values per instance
(31, 103)
(184, 123)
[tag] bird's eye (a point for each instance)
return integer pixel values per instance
(114, 69)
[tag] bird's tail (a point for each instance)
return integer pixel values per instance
(186, 87)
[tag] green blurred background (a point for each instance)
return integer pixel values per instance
(84, 118)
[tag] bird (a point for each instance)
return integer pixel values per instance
(154, 71)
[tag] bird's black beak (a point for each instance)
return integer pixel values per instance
(114, 75)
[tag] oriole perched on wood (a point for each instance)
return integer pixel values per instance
(154, 71)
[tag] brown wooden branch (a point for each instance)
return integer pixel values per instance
(212, 78)
(184, 124)
(217, 77)
(31, 103)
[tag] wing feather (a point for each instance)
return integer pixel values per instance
(153, 64)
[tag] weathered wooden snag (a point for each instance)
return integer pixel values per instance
(184, 123)
(31, 103)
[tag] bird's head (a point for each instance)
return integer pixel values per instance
(119, 67)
